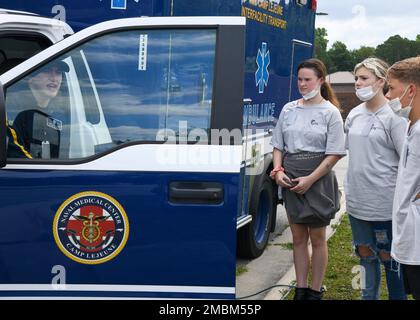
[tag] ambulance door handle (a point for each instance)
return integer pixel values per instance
(182, 192)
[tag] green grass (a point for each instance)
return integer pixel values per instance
(335, 226)
(339, 276)
(286, 246)
(240, 270)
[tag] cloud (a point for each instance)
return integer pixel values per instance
(373, 8)
(368, 23)
(359, 31)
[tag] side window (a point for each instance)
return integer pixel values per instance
(125, 87)
(16, 48)
(300, 51)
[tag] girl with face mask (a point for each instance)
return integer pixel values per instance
(374, 139)
(308, 141)
(404, 87)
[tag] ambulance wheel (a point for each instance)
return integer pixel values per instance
(253, 237)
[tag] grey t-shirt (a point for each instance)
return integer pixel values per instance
(315, 128)
(406, 210)
(374, 141)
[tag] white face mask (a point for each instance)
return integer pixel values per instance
(366, 93)
(311, 94)
(404, 112)
(397, 107)
(395, 104)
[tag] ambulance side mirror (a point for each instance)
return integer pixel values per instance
(3, 132)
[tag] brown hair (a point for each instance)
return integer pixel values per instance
(407, 71)
(321, 71)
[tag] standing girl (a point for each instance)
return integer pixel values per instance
(374, 137)
(308, 141)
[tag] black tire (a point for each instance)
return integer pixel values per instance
(253, 237)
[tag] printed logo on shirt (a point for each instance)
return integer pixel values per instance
(314, 122)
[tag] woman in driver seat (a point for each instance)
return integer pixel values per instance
(36, 129)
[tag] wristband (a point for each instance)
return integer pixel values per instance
(275, 170)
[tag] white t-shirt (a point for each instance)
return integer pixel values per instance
(406, 210)
(374, 141)
(315, 128)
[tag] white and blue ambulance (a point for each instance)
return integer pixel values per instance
(147, 170)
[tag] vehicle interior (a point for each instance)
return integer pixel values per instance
(16, 48)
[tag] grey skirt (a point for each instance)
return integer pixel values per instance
(321, 202)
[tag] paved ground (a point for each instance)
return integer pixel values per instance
(275, 266)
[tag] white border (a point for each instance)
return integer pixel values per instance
(116, 288)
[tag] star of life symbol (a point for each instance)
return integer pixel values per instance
(263, 61)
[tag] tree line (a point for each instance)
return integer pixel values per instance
(339, 58)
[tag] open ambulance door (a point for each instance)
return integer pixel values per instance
(126, 182)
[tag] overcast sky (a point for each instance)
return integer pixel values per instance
(368, 22)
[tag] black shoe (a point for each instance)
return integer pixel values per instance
(300, 293)
(314, 295)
